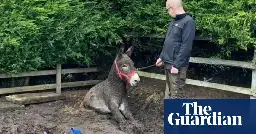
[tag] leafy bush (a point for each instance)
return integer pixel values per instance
(37, 34)
(230, 23)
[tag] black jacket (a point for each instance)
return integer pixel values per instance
(178, 41)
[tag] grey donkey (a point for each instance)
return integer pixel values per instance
(110, 96)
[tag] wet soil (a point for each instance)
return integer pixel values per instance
(59, 116)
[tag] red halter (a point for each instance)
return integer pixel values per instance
(127, 76)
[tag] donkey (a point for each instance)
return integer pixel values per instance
(110, 96)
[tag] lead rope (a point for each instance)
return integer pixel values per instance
(138, 69)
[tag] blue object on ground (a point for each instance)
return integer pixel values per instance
(74, 131)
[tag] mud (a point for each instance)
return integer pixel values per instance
(59, 116)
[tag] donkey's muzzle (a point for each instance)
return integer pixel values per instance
(135, 79)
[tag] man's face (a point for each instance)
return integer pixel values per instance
(171, 11)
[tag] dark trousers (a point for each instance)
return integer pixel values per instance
(175, 82)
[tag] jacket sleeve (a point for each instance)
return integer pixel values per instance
(188, 35)
(161, 55)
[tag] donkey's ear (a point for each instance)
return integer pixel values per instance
(129, 51)
(120, 52)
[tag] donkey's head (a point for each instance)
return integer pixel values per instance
(125, 67)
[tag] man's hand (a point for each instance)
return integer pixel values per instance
(159, 62)
(174, 70)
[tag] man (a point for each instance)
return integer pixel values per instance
(177, 47)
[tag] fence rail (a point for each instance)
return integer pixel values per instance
(241, 64)
(58, 85)
(50, 72)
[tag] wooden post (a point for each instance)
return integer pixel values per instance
(58, 79)
(253, 84)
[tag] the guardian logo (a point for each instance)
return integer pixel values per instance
(202, 115)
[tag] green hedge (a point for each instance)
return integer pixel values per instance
(230, 23)
(36, 34)
(39, 33)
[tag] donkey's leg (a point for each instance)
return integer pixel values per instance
(117, 115)
(128, 114)
(124, 108)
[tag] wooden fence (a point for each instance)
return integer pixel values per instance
(58, 85)
(248, 65)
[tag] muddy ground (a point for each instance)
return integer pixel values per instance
(59, 116)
